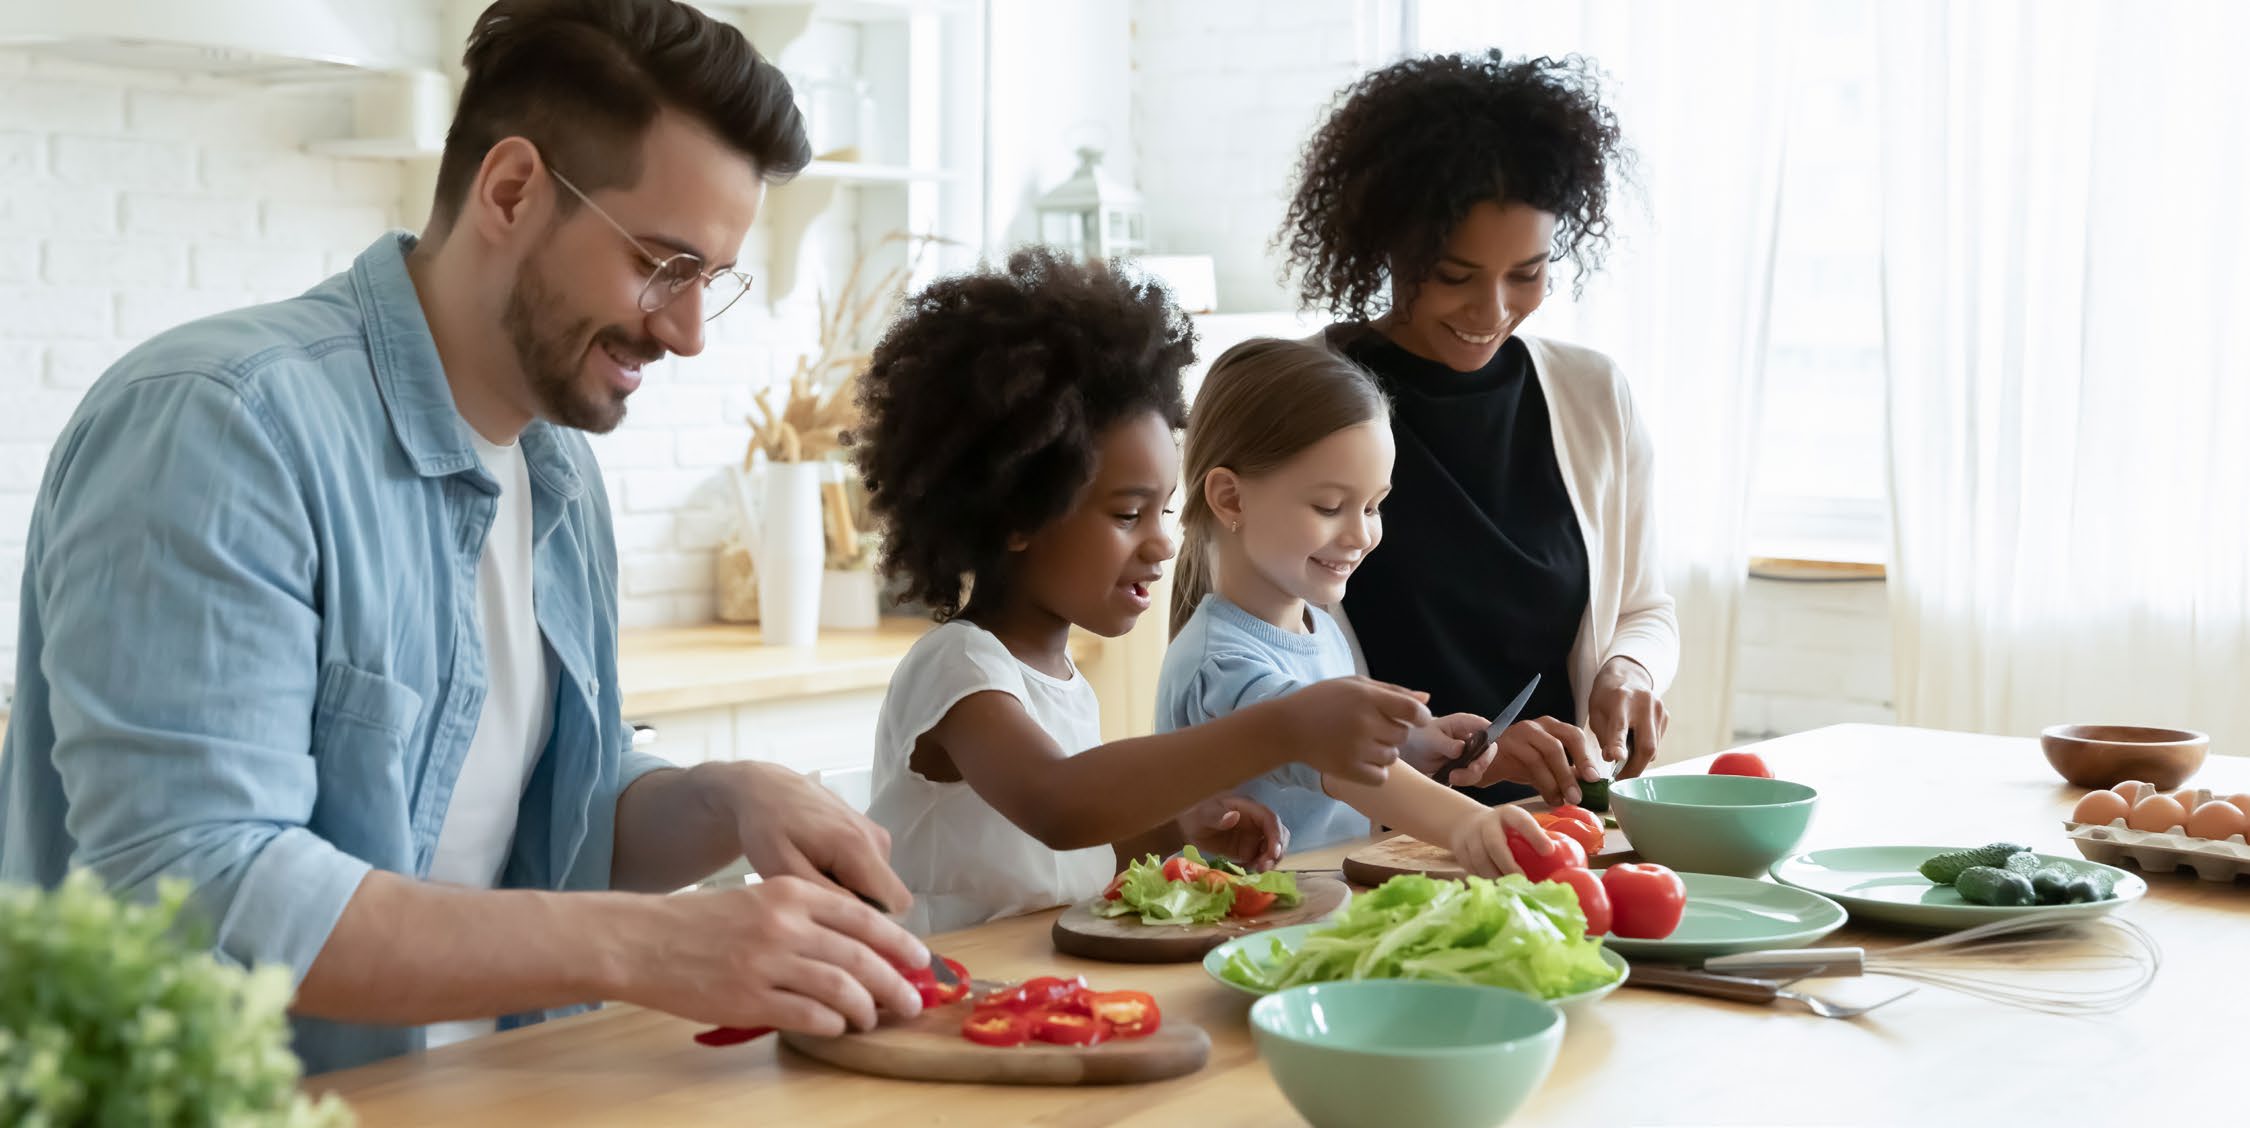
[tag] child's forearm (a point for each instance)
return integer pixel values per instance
(1408, 801)
(1115, 792)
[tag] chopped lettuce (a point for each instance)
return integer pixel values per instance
(1509, 932)
(1147, 892)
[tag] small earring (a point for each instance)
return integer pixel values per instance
(1234, 526)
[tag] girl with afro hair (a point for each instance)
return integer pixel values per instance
(1018, 449)
(1428, 210)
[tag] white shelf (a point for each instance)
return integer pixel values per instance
(376, 148)
(861, 11)
(857, 172)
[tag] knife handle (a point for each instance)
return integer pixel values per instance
(1664, 978)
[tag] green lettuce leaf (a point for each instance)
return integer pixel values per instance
(1508, 932)
(1157, 901)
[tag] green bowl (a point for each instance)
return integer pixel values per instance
(1380, 1053)
(1723, 824)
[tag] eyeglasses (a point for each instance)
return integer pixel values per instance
(671, 275)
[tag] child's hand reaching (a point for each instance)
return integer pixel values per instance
(1237, 827)
(1480, 843)
(1351, 728)
(1547, 754)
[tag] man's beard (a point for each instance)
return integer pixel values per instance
(551, 356)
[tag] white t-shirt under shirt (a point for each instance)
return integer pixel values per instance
(965, 862)
(480, 819)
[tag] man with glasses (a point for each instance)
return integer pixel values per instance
(320, 608)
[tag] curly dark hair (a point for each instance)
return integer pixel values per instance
(1410, 148)
(983, 403)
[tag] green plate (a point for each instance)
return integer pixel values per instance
(1726, 915)
(1295, 934)
(1884, 883)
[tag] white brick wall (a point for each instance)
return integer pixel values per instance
(1224, 96)
(132, 201)
(1811, 654)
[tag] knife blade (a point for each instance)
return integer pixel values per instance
(938, 968)
(1475, 745)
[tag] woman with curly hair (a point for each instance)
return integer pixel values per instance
(1018, 448)
(1428, 211)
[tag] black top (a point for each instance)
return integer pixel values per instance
(1481, 579)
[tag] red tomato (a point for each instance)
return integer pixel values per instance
(1250, 902)
(1130, 1014)
(1578, 815)
(1645, 900)
(1180, 869)
(1587, 837)
(991, 1026)
(1069, 1029)
(1567, 855)
(1116, 890)
(1741, 763)
(1593, 900)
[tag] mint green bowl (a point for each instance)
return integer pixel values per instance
(1723, 824)
(1384, 1053)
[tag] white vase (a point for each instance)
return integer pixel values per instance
(791, 552)
(847, 600)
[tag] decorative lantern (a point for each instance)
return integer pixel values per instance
(1091, 217)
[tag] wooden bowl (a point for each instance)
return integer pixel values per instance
(2106, 755)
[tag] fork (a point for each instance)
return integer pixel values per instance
(1745, 990)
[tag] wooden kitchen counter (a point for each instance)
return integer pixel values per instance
(1641, 1057)
(717, 665)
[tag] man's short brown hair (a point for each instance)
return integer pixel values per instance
(584, 79)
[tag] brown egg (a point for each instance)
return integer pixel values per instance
(2217, 820)
(2132, 790)
(2242, 801)
(2158, 813)
(2101, 808)
(2189, 798)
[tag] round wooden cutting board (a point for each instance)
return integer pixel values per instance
(1079, 932)
(1376, 864)
(931, 1048)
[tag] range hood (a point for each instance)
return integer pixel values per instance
(268, 40)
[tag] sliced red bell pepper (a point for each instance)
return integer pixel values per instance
(991, 1026)
(1130, 1014)
(1069, 1029)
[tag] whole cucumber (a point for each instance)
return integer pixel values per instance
(1944, 868)
(1991, 885)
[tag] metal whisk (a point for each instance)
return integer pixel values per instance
(2055, 963)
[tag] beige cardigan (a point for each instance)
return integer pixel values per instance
(1606, 457)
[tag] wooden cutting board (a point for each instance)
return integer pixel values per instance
(1376, 864)
(1079, 932)
(931, 1048)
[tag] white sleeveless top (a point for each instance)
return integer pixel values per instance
(965, 862)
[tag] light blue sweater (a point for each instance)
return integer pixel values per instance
(1225, 658)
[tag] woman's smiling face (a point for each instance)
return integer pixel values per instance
(1491, 275)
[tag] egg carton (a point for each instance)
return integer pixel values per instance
(2161, 851)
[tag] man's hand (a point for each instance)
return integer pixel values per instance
(791, 826)
(782, 952)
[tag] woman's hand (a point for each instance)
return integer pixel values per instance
(1624, 701)
(1550, 755)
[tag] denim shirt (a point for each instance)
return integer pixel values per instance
(249, 653)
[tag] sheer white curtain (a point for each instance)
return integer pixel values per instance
(2066, 293)
(1701, 94)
